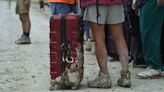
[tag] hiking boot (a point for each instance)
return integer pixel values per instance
(102, 81)
(88, 46)
(124, 81)
(149, 73)
(23, 40)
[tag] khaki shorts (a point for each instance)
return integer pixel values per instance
(21, 7)
(112, 14)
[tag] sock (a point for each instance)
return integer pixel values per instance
(26, 34)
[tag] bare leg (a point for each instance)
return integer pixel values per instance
(117, 34)
(101, 53)
(26, 24)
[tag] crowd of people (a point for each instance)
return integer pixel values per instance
(97, 14)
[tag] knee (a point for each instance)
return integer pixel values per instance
(24, 17)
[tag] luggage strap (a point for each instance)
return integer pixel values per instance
(63, 43)
(66, 55)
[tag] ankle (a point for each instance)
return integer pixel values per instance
(26, 34)
(125, 74)
(104, 71)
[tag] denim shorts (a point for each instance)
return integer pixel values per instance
(62, 8)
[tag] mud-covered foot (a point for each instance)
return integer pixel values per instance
(93, 48)
(54, 85)
(125, 80)
(23, 40)
(102, 81)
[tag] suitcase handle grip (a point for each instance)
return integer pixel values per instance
(70, 60)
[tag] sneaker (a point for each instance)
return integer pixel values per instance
(88, 46)
(125, 80)
(162, 73)
(149, 73)
(23, 40)
(102, 81)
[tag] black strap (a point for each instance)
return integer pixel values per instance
(69, 54)
(97, 9)
(63, 42)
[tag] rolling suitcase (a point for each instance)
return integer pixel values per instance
(66, 52)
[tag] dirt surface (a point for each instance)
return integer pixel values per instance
(25, 68)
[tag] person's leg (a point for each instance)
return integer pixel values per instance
(101, 53)
(103, 80)
(23, 11)
(118, 37)
(26, 24)
(115, 19)
(121, 47)
(151, 24)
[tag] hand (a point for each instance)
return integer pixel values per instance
(134, 6)
(27, 2)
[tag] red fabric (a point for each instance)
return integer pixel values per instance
(85, 3)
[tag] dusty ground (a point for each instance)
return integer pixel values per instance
(25, 68)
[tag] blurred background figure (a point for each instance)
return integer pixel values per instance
(9, 4)
(41, 3)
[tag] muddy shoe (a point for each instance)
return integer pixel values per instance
(124, 81)
(23, 40)
(88, 46)
(93, 48)
(102, 81)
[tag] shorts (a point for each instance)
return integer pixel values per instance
(21, 7)
(112, 14)
(62, 8)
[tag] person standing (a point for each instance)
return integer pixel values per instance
(151, 21)
(111, 13)
(22, 9)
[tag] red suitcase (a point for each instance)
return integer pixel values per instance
(66, 51)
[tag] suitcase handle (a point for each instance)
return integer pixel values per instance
(70, 60)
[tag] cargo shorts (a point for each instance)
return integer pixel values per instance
(108, 14)
(21, 7)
